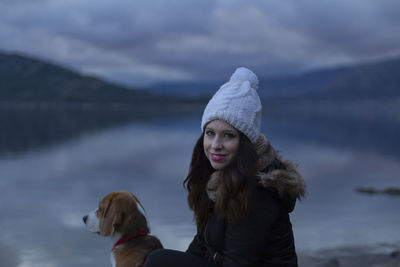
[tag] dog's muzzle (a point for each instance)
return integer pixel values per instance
(92, 222)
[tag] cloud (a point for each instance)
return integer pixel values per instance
(138, 42)
(353, 30)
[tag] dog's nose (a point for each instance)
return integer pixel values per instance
(85, 218)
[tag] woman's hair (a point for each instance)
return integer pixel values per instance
(234, 185)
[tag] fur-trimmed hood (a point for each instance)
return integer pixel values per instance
(272, 171)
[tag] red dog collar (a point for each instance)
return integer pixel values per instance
(141, 232)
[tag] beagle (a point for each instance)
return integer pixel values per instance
(120, 217)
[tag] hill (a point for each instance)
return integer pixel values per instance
(26, 79)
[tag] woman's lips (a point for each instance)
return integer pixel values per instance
(217, 157)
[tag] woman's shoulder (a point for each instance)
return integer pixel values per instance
(263, 193)
(264, 199)
(270, 199)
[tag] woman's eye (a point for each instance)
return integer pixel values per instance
(209, 132)
(229, 135)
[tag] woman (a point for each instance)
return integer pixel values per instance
(239, 188)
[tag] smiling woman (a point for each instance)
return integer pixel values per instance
(239, 188)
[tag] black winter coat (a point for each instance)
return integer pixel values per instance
(265, 237)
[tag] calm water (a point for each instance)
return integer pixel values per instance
(54, 167)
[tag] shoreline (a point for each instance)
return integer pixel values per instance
(387, 255)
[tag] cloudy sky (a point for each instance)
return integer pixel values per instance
(140, 42)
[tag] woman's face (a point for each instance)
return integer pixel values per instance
(221, 143)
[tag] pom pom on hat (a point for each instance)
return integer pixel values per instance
(243, 74)
(237, 103)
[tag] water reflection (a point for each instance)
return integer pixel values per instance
(29, 129)
(371, 135)
(46, 191)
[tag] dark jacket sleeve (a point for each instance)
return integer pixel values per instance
(245, 240)
(197, 246)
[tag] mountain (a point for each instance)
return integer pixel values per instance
(189, 89)
(26, 79)
(378, 80)
(363, 81)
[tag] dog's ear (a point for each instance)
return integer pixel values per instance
(110, 219)
(134, 220)
(138, 202)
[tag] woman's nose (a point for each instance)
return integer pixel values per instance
(217, 144)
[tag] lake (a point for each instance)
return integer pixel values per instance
(55, 166)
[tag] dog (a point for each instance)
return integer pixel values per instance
(119, 216)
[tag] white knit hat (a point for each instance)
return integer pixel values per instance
(237, 103)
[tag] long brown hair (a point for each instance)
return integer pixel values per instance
(235, 181)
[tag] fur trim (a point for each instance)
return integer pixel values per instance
(288, 181)
(266, 154)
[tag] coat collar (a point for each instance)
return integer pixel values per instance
(273, 172)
